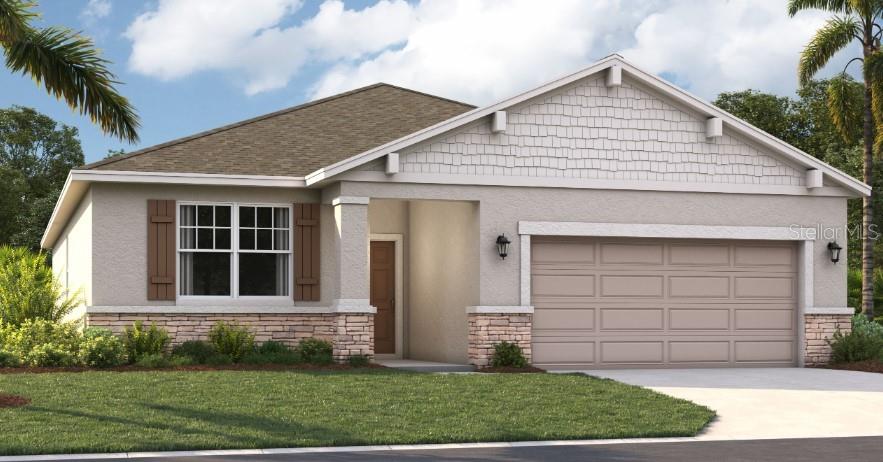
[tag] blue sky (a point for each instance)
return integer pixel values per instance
(200, 64)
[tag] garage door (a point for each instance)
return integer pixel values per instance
(663, 303)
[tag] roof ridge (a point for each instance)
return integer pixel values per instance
(259, 118)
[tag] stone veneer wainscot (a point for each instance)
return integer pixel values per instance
(349, 333)
(488, 329)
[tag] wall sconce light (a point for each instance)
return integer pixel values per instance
(834, 249)
(503, 246)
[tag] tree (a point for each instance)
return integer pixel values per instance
(36, 154)
(68, 66)
(854, 21)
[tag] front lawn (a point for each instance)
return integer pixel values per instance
(141, 411)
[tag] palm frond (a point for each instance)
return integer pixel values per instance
(844, 105)
(69, 67)
(14, 18)
(877, 111)
(835, 35)
(834, 6)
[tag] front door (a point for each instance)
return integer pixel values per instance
(383, 289)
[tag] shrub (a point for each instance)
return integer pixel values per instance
(854, 289)
(271, 347)
(231, 339)
(153, 361)
(63, 339)
(144, 342)
(315, 351)
(9, 359)
(287, 357)
(50, 355)
(177, 360)
(29, 290)
(197, 350)
(358, 360)
(508, 355)
(100, 348)
(218, 359)
(864, 342)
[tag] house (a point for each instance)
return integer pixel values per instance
(645, 228)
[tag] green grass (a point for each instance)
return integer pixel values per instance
(139, 411)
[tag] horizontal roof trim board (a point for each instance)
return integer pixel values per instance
(613, 61)
(583, 183)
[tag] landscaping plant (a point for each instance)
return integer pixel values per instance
(315, 351)
(143, 342)
(358, 360)
(864, 342)
(42, 343)
(508, 355)
(100, 348)
(29, 290)
(197, 350)
(231, 339)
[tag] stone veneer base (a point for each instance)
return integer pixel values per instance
(349, 333)
(488, 329)
(819, 328)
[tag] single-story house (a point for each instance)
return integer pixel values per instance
(605, 219)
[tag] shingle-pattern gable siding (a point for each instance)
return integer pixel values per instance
(587, 130)
(299, 140)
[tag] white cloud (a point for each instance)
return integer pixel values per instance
(180, 38)
(716, 46)
(94, 10)
(473, 50)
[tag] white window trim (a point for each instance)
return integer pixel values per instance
(234, 297)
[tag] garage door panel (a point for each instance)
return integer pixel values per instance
(631, 286)
(618, 253)
(698, 319)
(666, 303)
(699, 351)
(764, 319)
(699, 286)
(764, 255)
(564, 319)
(563, 250)
(631, 352)
(563, 352)
(764, 351)
(764, 287)
(632, 319)
(582, 285)
(699, 254)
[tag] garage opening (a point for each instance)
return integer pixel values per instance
(619, 303)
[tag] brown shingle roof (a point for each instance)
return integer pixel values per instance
(297, 140)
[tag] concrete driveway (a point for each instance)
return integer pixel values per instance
(773, 403)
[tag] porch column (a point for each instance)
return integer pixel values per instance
(354, 325)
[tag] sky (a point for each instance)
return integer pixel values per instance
(193, 65)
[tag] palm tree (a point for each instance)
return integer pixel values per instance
(68, 66)
(854, 21)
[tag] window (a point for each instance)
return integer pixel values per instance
(234, 251)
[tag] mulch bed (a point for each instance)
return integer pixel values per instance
(7, 400)
(191, 368)
(863, 366)
(511, 370)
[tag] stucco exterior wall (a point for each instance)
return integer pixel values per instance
(501, 208)
(119, 241)
(72, 256)
(443, 278)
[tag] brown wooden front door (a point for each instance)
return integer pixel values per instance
(383, 290)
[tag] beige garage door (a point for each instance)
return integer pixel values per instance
(663, 303)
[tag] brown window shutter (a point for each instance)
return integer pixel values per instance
(160, 249)
(306, 252)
